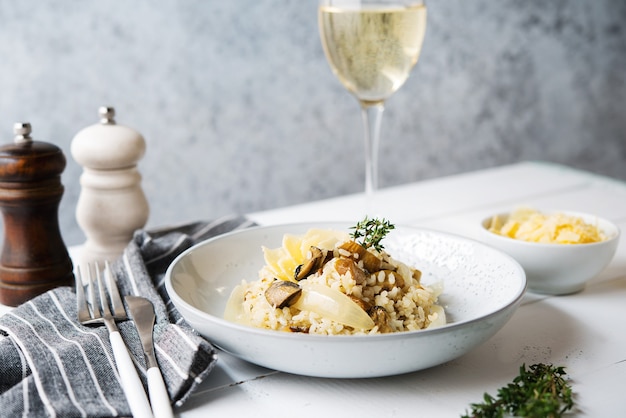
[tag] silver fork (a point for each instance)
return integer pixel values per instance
(98, 312)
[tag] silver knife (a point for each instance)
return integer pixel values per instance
(142, 311)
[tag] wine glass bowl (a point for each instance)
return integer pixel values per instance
(371, 47)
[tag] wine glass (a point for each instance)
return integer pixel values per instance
(371, 46)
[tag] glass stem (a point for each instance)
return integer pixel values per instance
(372, 116)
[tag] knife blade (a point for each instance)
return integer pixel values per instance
(142, 312)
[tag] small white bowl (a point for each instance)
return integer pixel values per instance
(558, 269)
(482, 288)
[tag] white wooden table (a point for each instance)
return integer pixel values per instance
(585, 332)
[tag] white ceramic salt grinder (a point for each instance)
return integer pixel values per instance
(112, 204)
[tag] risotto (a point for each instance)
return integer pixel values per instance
(324, 282)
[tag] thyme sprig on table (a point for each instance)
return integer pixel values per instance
(372, 232)
(539, 391)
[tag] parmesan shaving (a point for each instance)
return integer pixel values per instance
(527, 224)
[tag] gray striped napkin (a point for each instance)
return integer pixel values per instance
(50, 365)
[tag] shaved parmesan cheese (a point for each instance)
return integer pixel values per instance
(557, 228)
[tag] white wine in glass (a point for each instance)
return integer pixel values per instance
(371, 47)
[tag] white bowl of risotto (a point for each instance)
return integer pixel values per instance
(559, 250)
(463, 293)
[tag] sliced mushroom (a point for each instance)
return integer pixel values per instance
(344, 265)
(381, 319)
(282, 293)
(303, 330)
(312, 265)
(371, 263)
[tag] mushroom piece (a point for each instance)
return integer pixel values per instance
(381, 319)
(282, 293)
(344, 265)
(302, 330)
(313, 264)
(371, 263)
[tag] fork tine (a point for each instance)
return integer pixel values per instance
(81, 302)
(94, 298)
(103, 295)
(104, 300)
(119, 312)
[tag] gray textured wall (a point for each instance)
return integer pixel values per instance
(241, 112)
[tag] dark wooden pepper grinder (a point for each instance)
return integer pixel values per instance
(34, 258)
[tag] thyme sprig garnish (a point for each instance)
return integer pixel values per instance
(539, 391)
(370, 232)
